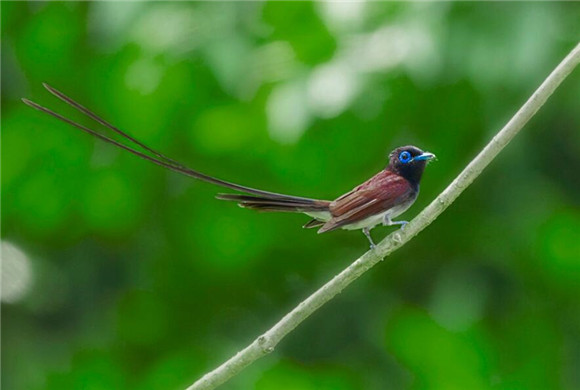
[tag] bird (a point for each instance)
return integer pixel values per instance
(378, 200)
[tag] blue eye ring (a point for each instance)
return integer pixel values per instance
(405, 157)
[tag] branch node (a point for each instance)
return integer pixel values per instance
(397, 238)
(265, 344)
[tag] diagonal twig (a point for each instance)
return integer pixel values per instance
(265, 343)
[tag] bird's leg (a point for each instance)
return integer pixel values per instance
(367, 233)
(387, 222)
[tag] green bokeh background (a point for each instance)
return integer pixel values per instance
(121, 275)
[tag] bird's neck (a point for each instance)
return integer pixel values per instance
(412, 174)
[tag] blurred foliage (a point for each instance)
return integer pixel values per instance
(118, 274)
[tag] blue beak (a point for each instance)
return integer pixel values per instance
(425, 156)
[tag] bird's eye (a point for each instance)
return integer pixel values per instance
(405, 157)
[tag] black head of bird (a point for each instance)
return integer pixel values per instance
(409, 162)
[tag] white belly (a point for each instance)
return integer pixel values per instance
(377, 219)
(369, 222)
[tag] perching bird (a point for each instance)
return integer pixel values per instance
(378, 200)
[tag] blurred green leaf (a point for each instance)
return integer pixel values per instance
(143, 319)
(143, 280)
(439, 358)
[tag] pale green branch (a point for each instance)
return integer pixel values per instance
(267, 341)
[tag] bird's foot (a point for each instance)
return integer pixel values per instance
(387, 222)
(367, 233)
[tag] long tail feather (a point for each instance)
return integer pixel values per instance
(287, 204)
(160, 159)
(103, 122)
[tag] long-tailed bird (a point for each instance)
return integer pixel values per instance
(378, 200)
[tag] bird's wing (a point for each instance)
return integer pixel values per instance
(378, 194)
